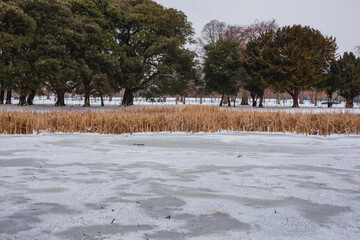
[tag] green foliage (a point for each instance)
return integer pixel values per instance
(255, 81)
(150, 33)
(54, 42)
(222, 67)
(94, 47)
(176, 73)
(16, 29)
(296, 59)
(349, 77)
(331, 82)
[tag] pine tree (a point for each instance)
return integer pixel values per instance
(255, 81)
(296, 58)
(349, 78)
(223, 67)
(16, 29)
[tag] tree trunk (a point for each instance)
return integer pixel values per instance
(128, 99)
(330, 103)
(222, 99)
(2, 92)
(295, 97)
(60, 100)
(301, 98)
(235, 101)
(312, 100)
(278, 99)
(316, 99)
(8, 97)
(229, 101)
(87, 100)
(102, 101)
(349, 102)
(30, 100)
(261, 101)
(253, 97)
(201, 99)
(244, 98)
(2, 96)
(22, 100)
(110, 99)
(184, 100)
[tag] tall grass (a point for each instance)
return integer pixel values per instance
(188, 119)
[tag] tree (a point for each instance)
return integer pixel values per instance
(149, 31)
(179, 73)
(255, 81)
(101, 69)
(349, 78)
(357, 50)
(212, 32)
(16, 28)
(331, 82)
(55, 41)
(296, 58)
(222, 67)
(244, 34)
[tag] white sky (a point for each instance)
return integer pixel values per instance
(338, 18)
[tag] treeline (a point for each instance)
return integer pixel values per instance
(290, 59)
(98, 47)
(93, 48)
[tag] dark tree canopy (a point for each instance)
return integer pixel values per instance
(296, 59)
(16, 31)
(255, 81)
(222, 67)
(149, 31)
(349, 78)
(331, 83)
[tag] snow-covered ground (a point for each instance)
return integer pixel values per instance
(75, 104)
(43, 100)
(179, 186)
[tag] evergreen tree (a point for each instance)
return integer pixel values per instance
(296, 59)
(105, 70)
(178, 73)
(16, 29)
(222, 68)
(55, 41)
(149, 31)
(349, 78)
(331, 82)
(255, 81)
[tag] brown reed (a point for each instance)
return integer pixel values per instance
(174, 119)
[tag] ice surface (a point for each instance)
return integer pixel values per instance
(179, 186)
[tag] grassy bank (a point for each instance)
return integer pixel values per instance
(189, 119)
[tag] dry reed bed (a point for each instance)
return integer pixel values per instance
(188, 119)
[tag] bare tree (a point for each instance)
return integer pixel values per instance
(244, 34)
(357, 50)
(212, 32)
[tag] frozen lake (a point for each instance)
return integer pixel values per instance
(179, 186)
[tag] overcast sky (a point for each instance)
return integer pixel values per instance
(338, 18)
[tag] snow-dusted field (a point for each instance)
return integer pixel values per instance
(179, 186)
(42, 102)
